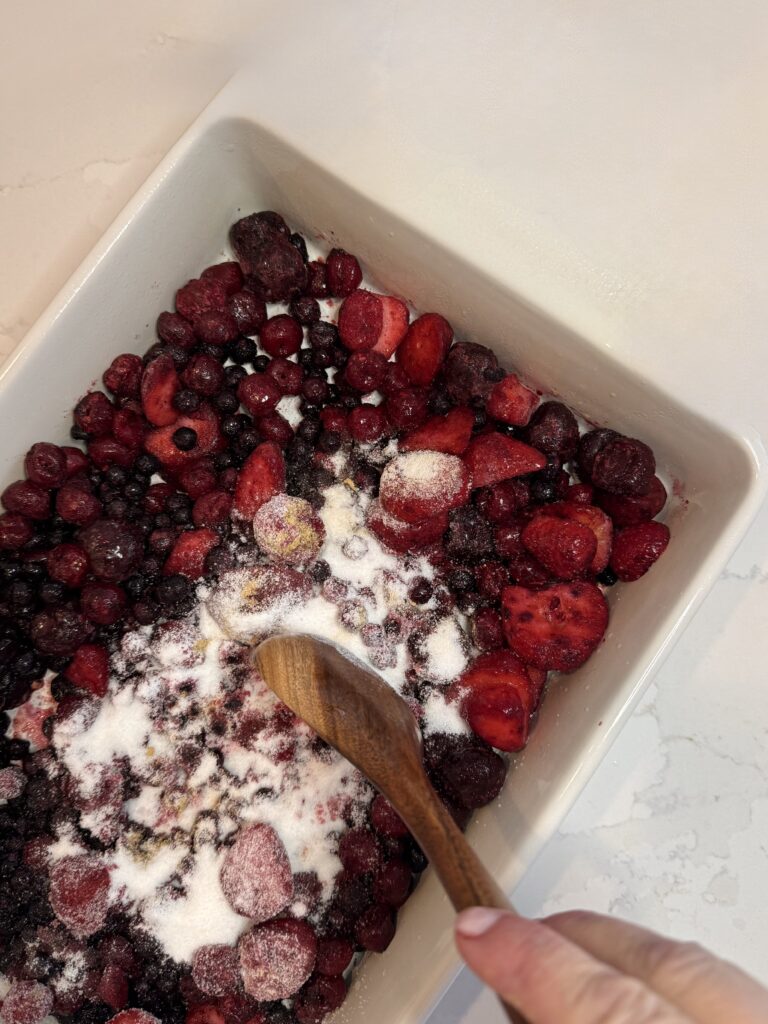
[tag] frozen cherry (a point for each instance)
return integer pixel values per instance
(472, 776)
(386, 820)
(287, 376)
(173, 329)
(46, 465)
(367, 423)
(248, 311)
(259, 393)
(319, 997)
(375, 928)
(306, 310)
(94, 414)
(216, 327)
(114, 550)
(590, 444)
(333, 956)
(487, 629)
(26, 1002)
(204, 373)
(359, 851)
(216, 969)
(103, 603)
(28, 499)
(624, 466)
(365, 371)
(123, 375)
(75, 504)
(553, 429)
(342, 273)
(407, 408)
(15, 531)
(317, 280)
(281, 335)
(198, 297)
(392, 883)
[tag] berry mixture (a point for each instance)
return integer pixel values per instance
(295, 452)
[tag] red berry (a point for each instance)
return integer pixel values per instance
(421, 485)
(394, 380)
(157, 497)
(114, 550)
(359, 851)
(565, 548)
(134, 1017)
(386, 820)
(594, 519)
(319, 997)
(129, 429)
(175, 330)
(228, 274)
(216, 970)
(501, 502)
(365, 371)
(333, 956)
(407, 409)
(15, 531)
(424, 348)
(208, 439)
(46, 465)
(256, 873)
(113, 987)
(190, 552)
(123, 375)
(555, 628)
(274, 427)
(369, 321)
(281, 335)
(77, 460)
(159, 384)
(367, 423)
(276, 958)
(258, 393)
(106, 452)
(636, 548)
(212, 509)
(631, 509)
(401, 536)
(334, 420)
(26, 1002)
(511, 402)
(79, 893)
(342, 273)
(276, 272)
(450, 433)
(496, 714)
(493, 457)
(203, 374)
(216, 327)
(76, 505)
(200, 296)
(491, 577)
(27, 499)
(469, 372)
(59, 631)
(261, 478)
(89, 669)
(103, 603)
(554, 430)
(375, 928)
(317, 280)
(93, 414)
(623, 466)
(287, 376)
(580, 494)
(392, 883)
(249, 312)
(487, 629)
(198, 479)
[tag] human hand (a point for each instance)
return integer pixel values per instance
(583, 968)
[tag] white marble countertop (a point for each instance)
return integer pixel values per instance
(672, 831)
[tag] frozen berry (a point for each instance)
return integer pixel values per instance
(424, 348)
(287, 529)
(342, 273)
(103, 603)
(256, 875)
(94, 414)
(333, 956)
(79, 893)
(216, 969)
(281, 335)
(26, 1002)
(375, 928)
(367, 423)
(185, 439)
(114, 550)
(275, 271)
(173, 329)
(276, 958)
(636, 548)
(15, 531)
(59, 631)
(228, 273)
(259, 393)
(204, 374)
(248, 311)
(198, 297)
(359, 852)
(365, 371)
(27, 499)
(624, 466)
(421, 485)
(469, 372)
(288, 376)
(553, 429)
(216, 327)
(319, 997)
(46, 465)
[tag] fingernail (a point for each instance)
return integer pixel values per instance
(477, 921)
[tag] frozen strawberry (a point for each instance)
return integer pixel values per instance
(276, 958)
(636, 548)
(557, 627)
(498, 668)
(134, 1017)
(631, 509)
(79, 893)
(333, 956)
(129, 429)
(493, 457)
(256, 874)
(200, 296)
(216, 969)
(511, 402)
(371, 321)
(421, 485)
(401, 536)
(496, 714)
(205, 1013)
(159, 383)
(208, 439)
(449, 433)
(26, 1002)
(288, 529)
(89, 669)
(580, 494)
(189, 553)
(565, 548)
(594, 519)
(424, 348)
(261, 478)
(342, 273)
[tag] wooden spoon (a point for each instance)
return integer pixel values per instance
(355, 711)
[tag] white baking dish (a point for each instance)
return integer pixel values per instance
(227, 164)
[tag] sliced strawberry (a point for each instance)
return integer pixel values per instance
(593, 518)
(555, 628)
(204, 422)
(539, 679)
(261, 478)
(636, 548)
(494, 457)
(630, 509)
(89, 669)
(424, 348)
(189, 553)
(565, 548)
(511, 401)
(159, 383)
(496, 714)
(371, 321)
(421, 485)
(449, 433)
(498, 668)
(403, 537)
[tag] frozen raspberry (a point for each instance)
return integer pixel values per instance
(624, 466)
(228, 273)
(175, 330)
(123, 376)
(205, 1013)
(89, 669)
(511, 402)
(636, 548)
(470, 372)
(27, 499)
(276, 958)
(553, 429)
(79, 893)
(114, 550)
(26, 1002)
(359, 852)
(375, 928)
(59, 631)
(46, 465)
(256, 874)
(281, 335)
(274, 427)
(15, 531)
(319, 997)
(216, 969)
(333, 956)
(469, 535)
(198, 297)
(258, 393)
(94, 413)
(421, 485)
(342, 273)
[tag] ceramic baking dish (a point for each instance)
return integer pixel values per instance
(227, 164)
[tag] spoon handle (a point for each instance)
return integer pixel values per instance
(460, 870)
